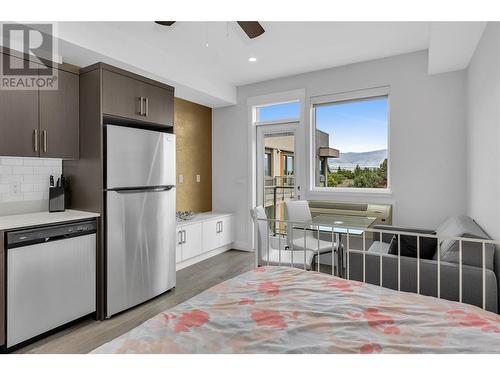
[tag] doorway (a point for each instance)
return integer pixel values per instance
(277, 171)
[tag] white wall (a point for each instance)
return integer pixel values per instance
(427, 158)
(483, 132)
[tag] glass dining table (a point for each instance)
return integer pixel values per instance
(340, 225)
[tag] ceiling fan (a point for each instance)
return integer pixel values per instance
(252, 28)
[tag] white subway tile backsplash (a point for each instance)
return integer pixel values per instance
(10, 178)
(5, 169)
(26, 188)
(41, 187)
(12, 161)
(27, 179)
(33, 162)
(52, 162)
(22, 170)
(36, 178)
(38, 196)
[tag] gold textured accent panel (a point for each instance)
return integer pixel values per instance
(193, 128)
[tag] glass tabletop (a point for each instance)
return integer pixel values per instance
(340, 223)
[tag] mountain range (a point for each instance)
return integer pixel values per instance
(349, 160)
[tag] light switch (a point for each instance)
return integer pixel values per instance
(181, 179)
(198, 179)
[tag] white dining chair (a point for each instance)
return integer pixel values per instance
(268, 255)
(299, 212)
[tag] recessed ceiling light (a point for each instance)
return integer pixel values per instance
(252, 59)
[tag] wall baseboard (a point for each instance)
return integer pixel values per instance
(201, 257)
(243, 246)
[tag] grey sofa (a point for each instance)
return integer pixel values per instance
(457, 226)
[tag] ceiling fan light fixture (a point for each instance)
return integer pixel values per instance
(252, 59)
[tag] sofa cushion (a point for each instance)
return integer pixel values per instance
(454, 226)
(471, 252)
(464, 226)
(409, 246)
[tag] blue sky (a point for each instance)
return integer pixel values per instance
(279, 112)
(353, 126)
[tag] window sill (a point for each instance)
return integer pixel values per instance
(352, 191)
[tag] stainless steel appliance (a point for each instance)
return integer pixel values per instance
(51, 278)
(140, 216)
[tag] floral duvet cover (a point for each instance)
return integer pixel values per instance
(287, 310)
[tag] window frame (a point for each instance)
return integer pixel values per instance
(355, 95)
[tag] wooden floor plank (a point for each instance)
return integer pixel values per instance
(89, 334)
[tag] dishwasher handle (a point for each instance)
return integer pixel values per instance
(50, 233)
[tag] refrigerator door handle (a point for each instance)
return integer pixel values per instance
(142, 189)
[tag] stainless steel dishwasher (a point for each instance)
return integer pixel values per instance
(51, 278)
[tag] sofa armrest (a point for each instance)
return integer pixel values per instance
(387, 237)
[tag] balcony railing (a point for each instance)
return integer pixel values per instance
(277, 191)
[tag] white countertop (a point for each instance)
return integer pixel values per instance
(204, 216)
(42, 218)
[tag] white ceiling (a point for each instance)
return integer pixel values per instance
(209, 75)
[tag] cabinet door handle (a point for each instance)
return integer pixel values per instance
(179, 237)
(141, 106)
(221, 227)
(35, 136)
(146, 106)
(45, 141)
(184, 241)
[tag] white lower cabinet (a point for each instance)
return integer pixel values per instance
(207, 232)
(217, 233)
(189, 241)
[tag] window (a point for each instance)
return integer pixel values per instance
(288, 169)
(279, 112)
(351, 143)
(267, 164)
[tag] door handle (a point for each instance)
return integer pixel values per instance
(44, 136)
(141, 105)
(221, 227)
(146, 107)
(184, 235)
(179, 237)
(35, 136)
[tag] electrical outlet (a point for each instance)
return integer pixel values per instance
(15, 188)
(181, 179)
(198, 179)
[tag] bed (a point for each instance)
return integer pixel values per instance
(288, 310)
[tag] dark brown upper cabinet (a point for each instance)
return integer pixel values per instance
(127, 97)
(42, 123)
(59, 118)
(19, 132)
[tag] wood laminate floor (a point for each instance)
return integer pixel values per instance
(89, 334)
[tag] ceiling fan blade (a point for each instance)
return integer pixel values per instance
(252, 28)
(165, 23)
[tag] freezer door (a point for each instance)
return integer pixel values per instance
(138, 158)
(140, 247)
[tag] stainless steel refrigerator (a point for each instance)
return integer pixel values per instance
(140, 215)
